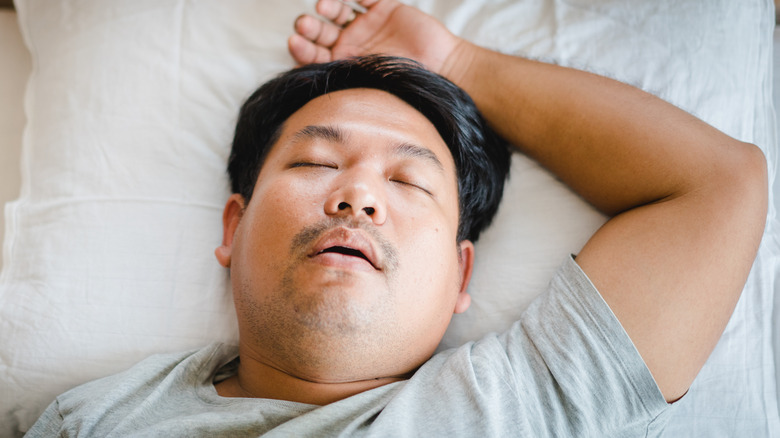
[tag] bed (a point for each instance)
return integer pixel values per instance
(116, 120)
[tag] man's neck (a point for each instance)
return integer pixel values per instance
(258, 380)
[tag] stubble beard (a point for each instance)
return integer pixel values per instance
(330, 327)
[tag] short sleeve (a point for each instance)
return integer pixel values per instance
(570, 352)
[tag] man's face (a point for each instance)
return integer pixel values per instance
(345, 263)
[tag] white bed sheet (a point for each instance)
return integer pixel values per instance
(16, 68)
(736, 392)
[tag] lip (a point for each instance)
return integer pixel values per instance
(353, 239)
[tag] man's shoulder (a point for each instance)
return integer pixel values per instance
(172, 370)
(159, 382)
(158, 366)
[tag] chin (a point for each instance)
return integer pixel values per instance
(338, 302)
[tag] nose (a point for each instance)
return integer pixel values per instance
(359, 196)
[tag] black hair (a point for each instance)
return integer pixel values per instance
(481, 157)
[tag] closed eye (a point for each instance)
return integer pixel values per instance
(411, 185)
(310, 164)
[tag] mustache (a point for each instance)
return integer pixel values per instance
(303, 240)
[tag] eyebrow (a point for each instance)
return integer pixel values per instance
(414, 151)
(334, 134)
(329, 133)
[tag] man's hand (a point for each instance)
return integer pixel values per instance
(388, 27)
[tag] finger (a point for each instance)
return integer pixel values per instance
(304, 51)
(335, 11)
(317, 31)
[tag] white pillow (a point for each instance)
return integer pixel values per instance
(131, 108)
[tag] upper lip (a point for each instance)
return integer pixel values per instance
(348, 238)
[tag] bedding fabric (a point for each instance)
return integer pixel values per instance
(489, 388)
(13, 75)
(130, 107)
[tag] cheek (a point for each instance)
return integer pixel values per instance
(287, 202)
(429, 231)
(429, 285)
(275, 214)
(431, 256)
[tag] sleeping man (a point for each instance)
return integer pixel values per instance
(359, 185)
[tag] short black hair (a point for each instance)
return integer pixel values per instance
(481, 156)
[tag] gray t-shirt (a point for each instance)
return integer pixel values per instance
(567, 368)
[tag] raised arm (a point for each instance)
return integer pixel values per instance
(688, 203)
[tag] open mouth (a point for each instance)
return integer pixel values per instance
(354, 244)
(346, 251)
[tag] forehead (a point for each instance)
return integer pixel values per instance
(374, 114)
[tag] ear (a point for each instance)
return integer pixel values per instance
(231, 216)
(466, 264)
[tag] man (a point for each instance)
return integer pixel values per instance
(348, 254)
